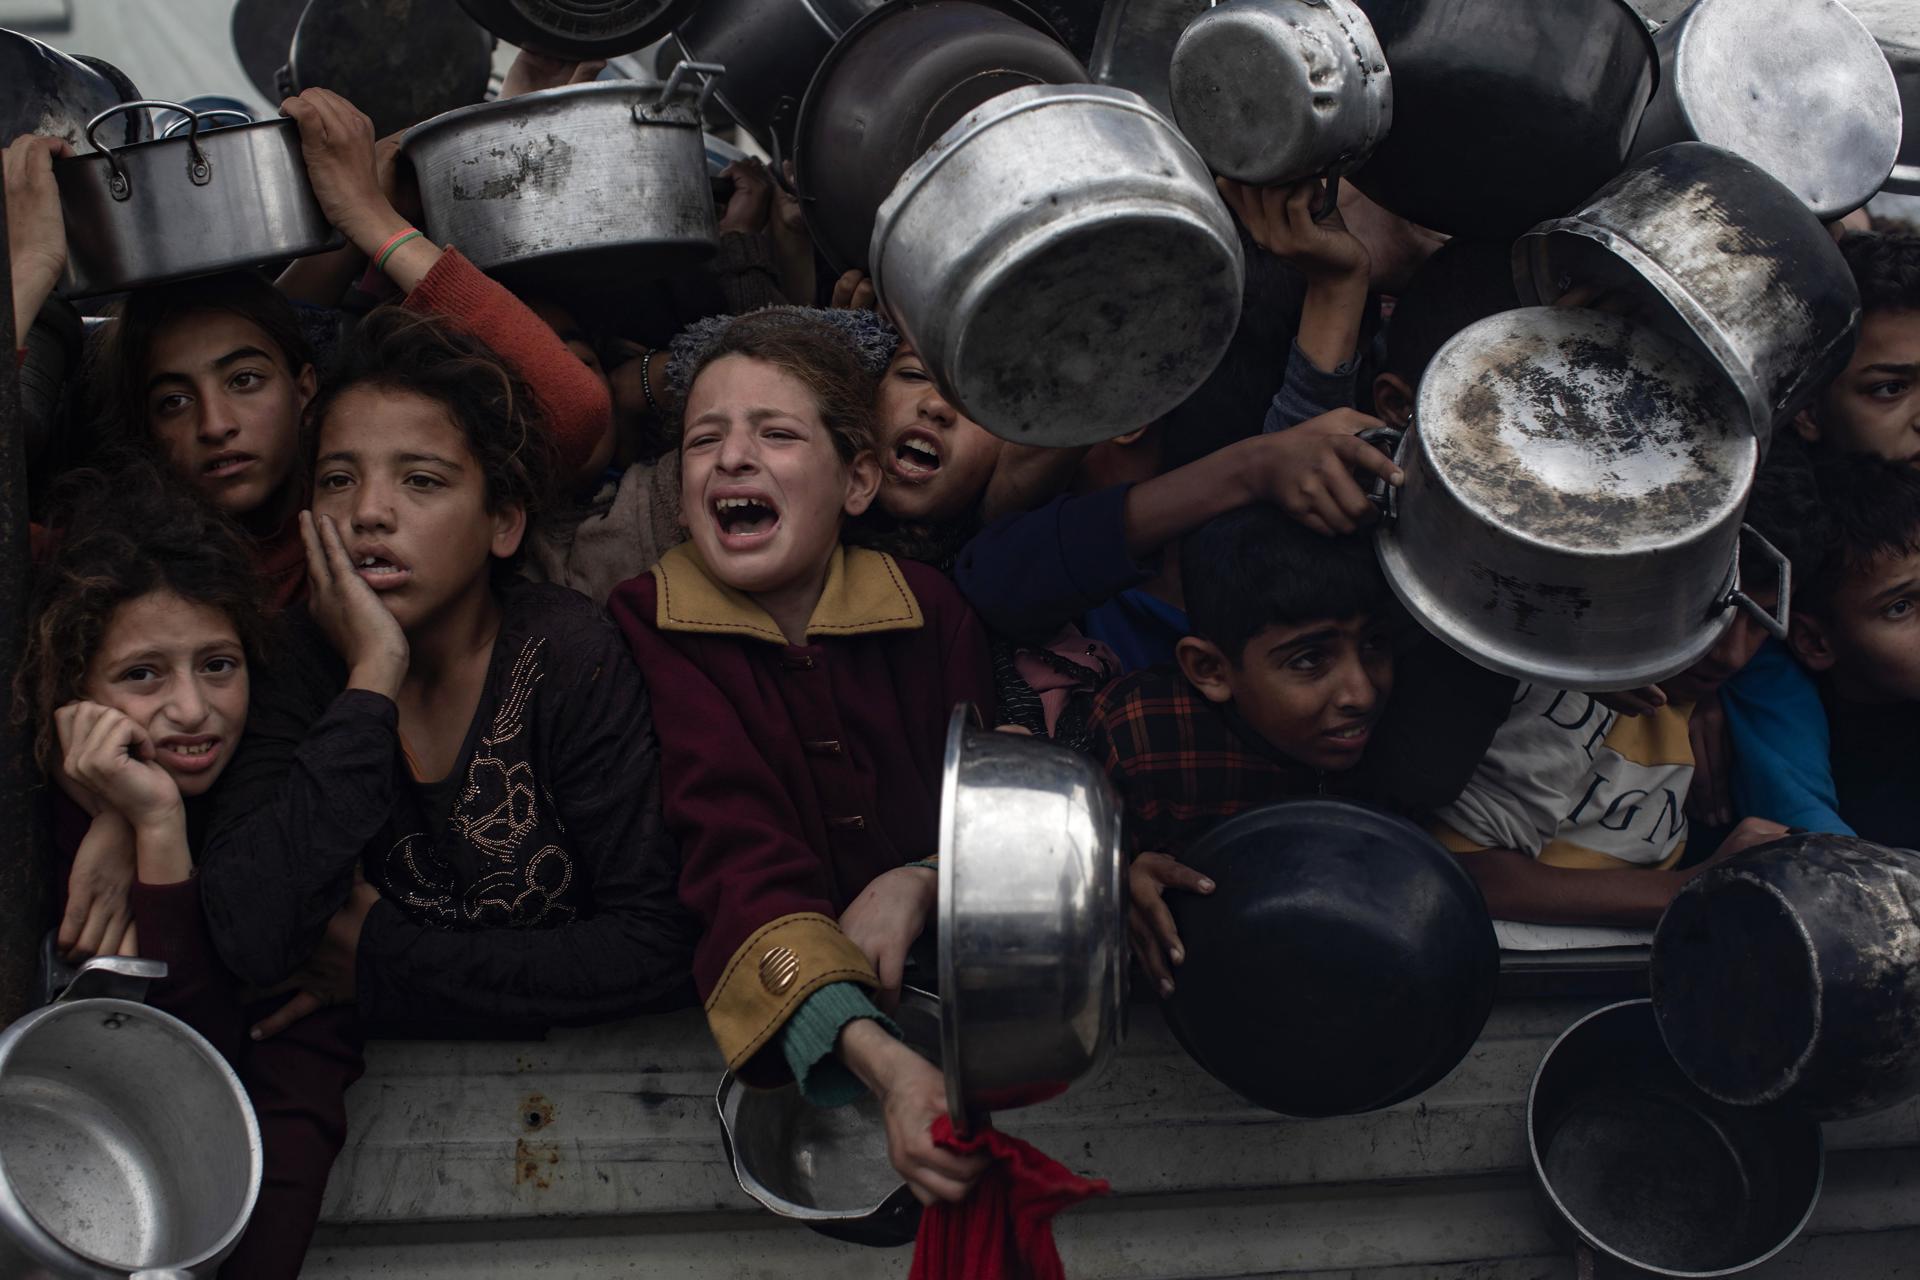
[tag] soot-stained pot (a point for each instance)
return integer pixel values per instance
(578, 30)
(1790, 975)
(399, 61)
(1572, 502)
(44, 91)
(771, 49)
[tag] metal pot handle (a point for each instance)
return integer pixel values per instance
(1775, 622)
(709, 73)
(1391, 441)
(177, 125)
(114, 978)
(118, 186)
(160, 1273)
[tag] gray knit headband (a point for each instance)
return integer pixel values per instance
(871, 339)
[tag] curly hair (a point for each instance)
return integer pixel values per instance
(825, 358)
(123, 535)
(1886, 267)
(439, 359)
(1871, 509)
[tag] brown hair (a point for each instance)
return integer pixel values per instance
(820, 357)
(122, 536)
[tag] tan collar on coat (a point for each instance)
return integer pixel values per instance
(865, 593)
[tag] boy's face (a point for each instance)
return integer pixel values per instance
(1874, 406)
(936, 461)
(1314, 691)
(1869, 637)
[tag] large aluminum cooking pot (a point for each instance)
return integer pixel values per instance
(771, 49)
(44, 91)
(895, 82)
(579, 29)
(1799, 87)
(1895, 24)
(1273, 91)
(190, 205)
(1721, 256)
(590, 186)
(1133, 46)
(1571, 510)
(1032, 920)
(1068, 302)
(1650, 1177)
(127, 1144)
(1791, 975)
(827, 1167)
(1505, 113)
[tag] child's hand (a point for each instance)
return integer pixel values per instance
(36, 228)
(110, 757)
(1308, 471)
(336, 141)
(360, 629)
(751, 202)
(1149, 923)
(1281, 221)
(912, 1095)
(329, 976)
(853, 291)
(99, 916)
(1751, 833)
(886, 918)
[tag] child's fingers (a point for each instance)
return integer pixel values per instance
(71, 923)
(318, 572)
(1160, 920)
(1178, 875)
(302, 1004)
(130, 940)
(1362, 456)
(1146, 948)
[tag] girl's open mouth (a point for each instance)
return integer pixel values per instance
(744, 519)
(188, 754)
(377, 567)
(916, 457)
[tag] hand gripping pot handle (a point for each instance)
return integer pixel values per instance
(118, 185)
(1391, 441)
(1776, 621)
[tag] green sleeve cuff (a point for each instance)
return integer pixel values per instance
(808, 1039)
(931, 864)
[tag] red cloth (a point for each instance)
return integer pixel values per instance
(1004, 1230)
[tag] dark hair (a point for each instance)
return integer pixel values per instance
(818, 355)
(1786, 509)
(1257, 567)
(146, 312)
(1871, 508)
(1465, 281)
(438, 358)
(1886, 267)
(122, 535)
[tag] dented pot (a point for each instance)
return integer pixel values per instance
(1791, 976)
(1571, 510)
(594, 186)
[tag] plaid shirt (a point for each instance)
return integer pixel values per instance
(1183, 765)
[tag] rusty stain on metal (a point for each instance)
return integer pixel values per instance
(535, 1163)
(536, 1113)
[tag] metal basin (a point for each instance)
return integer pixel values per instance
(1033, 943)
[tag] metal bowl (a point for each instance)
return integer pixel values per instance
(1033, 943)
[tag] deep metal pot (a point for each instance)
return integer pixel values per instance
(44, 91)
(399, 61)
(1719, 255)
(578, 30)
(1505, 113)
(127, 1144)
(1648, 1176)
(1273, 91)
(190, 205)
(591, 186)
(1791, 976)
(1571, 509)
(1032, 920)
(827, 1167)
(897, 80)
(1070, 302)
(1799, 87)
(771, 49)
(1133, 46)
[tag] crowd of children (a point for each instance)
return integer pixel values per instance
(414, 658)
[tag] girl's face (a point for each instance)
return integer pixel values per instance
(225, 408)
(177, 669)
(396, 474)
(937, 461)
(762, 489)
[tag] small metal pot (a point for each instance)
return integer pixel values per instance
(1651, 1177)
(1070, 302)
(190, 205)
(1720, 255)
(1273, 91)
(590, 186)
(771, 49)
(1791, 976)
(1032, 920)
(1133, 46)
(1799, 87)
(127, 1144)
(1571, 509)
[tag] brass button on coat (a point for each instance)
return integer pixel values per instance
(778, 969)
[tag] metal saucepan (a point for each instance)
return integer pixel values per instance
(1719, 255)
(1068, 302)
(1571, 510)
(892, 84)
(399, 61)
(590, 186)
(1273, 91)
(1032, 920)
(1650, 1176)
(1505, 113)
(1133, 46)
(190, 205)
(579, 29)
(1344, 963)
(127, 1144)
(827, 1167)
(771, 49)
(44, 91)
(262, 33)
(1791, 975)
(1799, 87)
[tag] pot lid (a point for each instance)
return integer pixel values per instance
(579, 29)
(1584, 432)
(400, 61)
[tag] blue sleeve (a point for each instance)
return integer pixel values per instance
(1029, 574)
(1781, 769)
(1307, 392)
